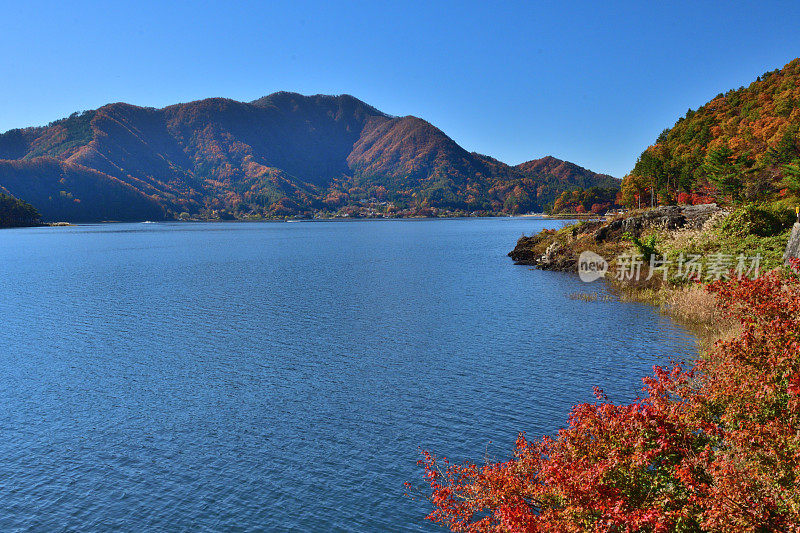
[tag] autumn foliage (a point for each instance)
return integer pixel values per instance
(715, 447)
(595, 200)
(744, 145)
(281, 155)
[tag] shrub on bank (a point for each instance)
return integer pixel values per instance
(750, 230)
(711, 448)
(759, 221)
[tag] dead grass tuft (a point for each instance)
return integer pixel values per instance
(697, 309)
(590, 297)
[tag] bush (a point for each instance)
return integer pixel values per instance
(714, 448)
(760, 221)
(646, 247)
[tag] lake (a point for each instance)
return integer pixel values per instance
(283, 376)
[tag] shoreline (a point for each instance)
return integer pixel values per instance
(670, 231)
(288, 220)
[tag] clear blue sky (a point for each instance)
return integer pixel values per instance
(591, 82)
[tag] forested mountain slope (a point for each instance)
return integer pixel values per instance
(284, 154)
(741, 146)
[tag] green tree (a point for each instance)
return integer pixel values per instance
(726, 172)
(791, 176)
(786, 149)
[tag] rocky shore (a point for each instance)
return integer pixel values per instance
(559, 250)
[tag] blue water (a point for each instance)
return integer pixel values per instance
(276, 376)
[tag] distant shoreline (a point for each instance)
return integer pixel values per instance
(319, 219)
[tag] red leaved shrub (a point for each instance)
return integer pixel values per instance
(713, 448)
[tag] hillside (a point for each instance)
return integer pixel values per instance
(575, 189)
(567, 173)
(741, 146)
(16, 213)
(65, 191)
(281, 155)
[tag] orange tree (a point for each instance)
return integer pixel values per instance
(711, 448)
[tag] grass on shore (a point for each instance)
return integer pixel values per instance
(690, 305)
(748, 231)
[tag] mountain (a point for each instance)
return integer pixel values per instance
(283, 154)
(743, 145)
(575, 189)
(567, 173)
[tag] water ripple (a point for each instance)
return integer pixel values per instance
(176, 377)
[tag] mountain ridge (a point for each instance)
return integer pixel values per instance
(284, 154)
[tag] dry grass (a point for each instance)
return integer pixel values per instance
(697, 309)
(685, 239)
(590, 297)
(688, 239)
(692, 306)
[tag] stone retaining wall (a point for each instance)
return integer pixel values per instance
(793, 248)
